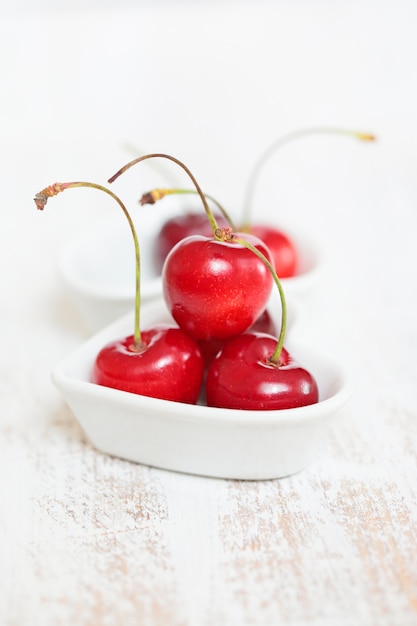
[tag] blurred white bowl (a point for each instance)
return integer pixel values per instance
(220, 443)
(99, 269)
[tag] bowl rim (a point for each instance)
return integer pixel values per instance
(84, 353)
(152, 286)
(91, 289)
(191, 412)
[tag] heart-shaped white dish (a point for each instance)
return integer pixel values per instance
(195, 439)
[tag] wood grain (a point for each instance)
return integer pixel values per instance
(91, 540)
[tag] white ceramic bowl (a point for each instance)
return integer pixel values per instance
(220, 443)
(99, 268)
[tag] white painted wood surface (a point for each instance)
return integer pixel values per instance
(91, 540)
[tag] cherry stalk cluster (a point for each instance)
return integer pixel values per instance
(223, 345)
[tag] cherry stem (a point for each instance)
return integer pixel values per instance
(41, 199)
(162, 169)
(158, 194)
(210, 215)
(274, 359)
(253, 178)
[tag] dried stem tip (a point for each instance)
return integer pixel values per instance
(153, 196)
(366, 136)
(41, 198)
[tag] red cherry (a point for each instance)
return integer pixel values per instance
(179, 227)
(283, 250)
(210, 348)
(170, 366)
(162, 362)
(243, 377)
(216, 289)
(264, 324)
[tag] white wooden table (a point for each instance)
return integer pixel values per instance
(90, 540)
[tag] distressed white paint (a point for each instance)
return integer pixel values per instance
(91, 540)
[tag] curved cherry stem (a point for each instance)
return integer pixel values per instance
(224, 234)
(253, 178)
(162, 169)
(158, 194)
(274, 359)
(211, 218)
(41, 199)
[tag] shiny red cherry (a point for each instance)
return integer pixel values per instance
(242, 376)
(216, 289)
(168, 366)
(179, 227)
(264, 324)
(162, 362)
(283, 250)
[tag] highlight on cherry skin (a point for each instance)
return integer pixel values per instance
(161, 362)
(216, 289)
(243, 376)
(169, 366)
(205, 286)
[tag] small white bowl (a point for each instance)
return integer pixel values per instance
(220, 443)
(99, 269)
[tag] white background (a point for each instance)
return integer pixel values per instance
(85, 87)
